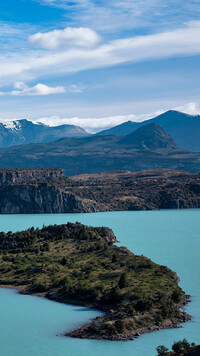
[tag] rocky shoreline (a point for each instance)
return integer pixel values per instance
(83, 333)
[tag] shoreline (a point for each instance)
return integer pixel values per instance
(171, 323)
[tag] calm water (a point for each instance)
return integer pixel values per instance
(29, 325)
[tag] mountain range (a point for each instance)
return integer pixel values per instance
(149, 147)
(23, 131)
(183, 128)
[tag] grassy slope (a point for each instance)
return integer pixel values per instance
(79, 263)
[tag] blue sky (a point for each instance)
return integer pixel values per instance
(98, 63)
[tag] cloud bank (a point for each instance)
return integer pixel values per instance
(97, 124)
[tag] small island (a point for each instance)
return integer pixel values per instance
(78, 264)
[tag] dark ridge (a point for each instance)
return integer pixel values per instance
(149, 137)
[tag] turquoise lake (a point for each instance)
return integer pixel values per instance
(33, 326)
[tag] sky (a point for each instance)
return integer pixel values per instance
(99, 63)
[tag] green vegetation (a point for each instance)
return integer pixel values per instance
(80, 264)
(180, 348)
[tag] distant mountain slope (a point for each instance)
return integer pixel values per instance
(183, 128)
(23, 131)
(120, 130)
(150, 136)
(103, 153)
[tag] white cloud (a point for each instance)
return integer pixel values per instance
(181, 42)
(69, 37)
(38, 89)
(96, 124)
(117, 15)
(14, 35)
(189, 108)
(76, 88)
(20, 86)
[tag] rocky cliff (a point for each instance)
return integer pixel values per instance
(49, 191)
(41, 198)
(29, 175)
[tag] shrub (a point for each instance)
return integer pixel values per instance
(63, 261)
(120, 325)
(39, 287)
(66, 284)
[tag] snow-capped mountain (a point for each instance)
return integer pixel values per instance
(23, 131)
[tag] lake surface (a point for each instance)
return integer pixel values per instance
(30, 325)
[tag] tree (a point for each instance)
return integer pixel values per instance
(123, 282)
(114, 258)
(180, 346)
(177, 295)
(161, 350)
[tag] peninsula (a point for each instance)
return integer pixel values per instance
(78, 264)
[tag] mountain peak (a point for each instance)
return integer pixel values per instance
(149, 137)
(175, 114)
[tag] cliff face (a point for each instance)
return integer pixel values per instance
(41, 198)
(29, 175)
(49, 191)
